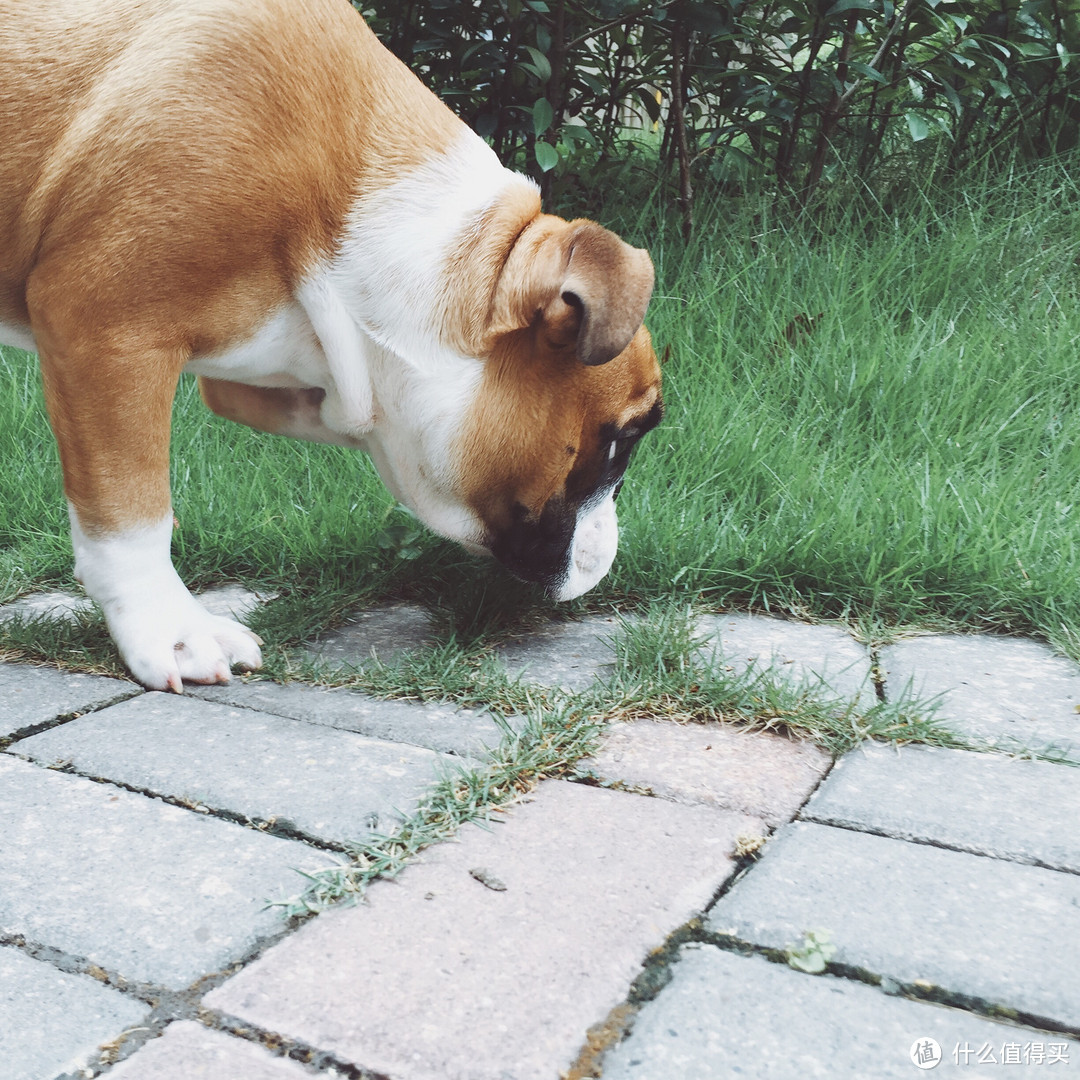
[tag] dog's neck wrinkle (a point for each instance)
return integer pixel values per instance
(418, 261)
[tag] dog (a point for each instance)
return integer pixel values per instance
(259, 193)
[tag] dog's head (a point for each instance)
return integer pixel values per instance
(570, 383)
(516, 440)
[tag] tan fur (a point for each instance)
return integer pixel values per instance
(126, 249)
(551, 415)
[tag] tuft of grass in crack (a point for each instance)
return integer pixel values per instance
(546, 744)
(665, 670)
(451, 671)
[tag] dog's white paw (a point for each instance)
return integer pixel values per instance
(164, 651)
(164, 634)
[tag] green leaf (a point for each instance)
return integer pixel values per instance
(918, 126)
(542, 115)
(648, 99)
(813, 964)
(868, 71)
(540, 65)
(850, 5)
(547, 157)
(813, 954)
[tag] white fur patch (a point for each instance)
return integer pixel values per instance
(596, 540)
(18, 336)
(388, 270)
(163, 633)
(283, 351)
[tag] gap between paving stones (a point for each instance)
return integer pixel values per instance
(268, 827)
(941, 845)
(167, 1006)
(659, 967)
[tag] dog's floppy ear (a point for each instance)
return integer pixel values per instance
(603, 296)
(587, 289)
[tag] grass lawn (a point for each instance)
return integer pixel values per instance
(871, 416)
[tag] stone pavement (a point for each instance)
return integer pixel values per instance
(630, 922)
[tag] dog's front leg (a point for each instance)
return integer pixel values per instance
(110, 413)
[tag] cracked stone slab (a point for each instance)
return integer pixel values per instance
(382, 632)
(719, 1017)
(324, 783)
(1011, 692)
(991, 804)
(188, 1051)
(31, 696)
(996, 931)
(804, 654)
(446, 728)
(152, 892)
(54, 1022)
(570, 655)
(753, 772)
(444, 974)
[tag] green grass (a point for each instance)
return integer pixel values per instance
(911, 458)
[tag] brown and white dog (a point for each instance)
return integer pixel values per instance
(256, 191)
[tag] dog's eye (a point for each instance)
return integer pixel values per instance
(622, 443)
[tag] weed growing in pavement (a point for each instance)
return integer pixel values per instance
(547, 743)
(813, 954)
(76, 642)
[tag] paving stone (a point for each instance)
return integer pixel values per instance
(1026, 811)
(232, 601)
(328, 784)
(54, 605)
(188, 1051)
(569, 655)
(767, 776)
(997, 931)
(150, 891)
(31, 696)
(52, 1022)
(1008, 691)
(382, 632)
(440, 976)
(721, 1015)
(450, 730)
(818, 655)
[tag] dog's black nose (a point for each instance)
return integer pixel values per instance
(537, 548)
